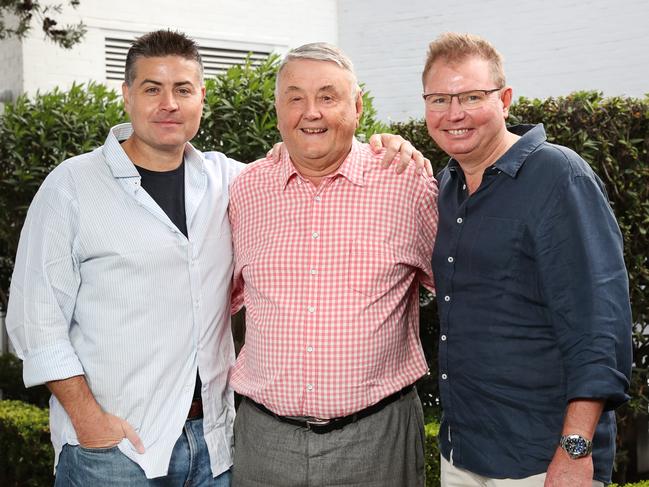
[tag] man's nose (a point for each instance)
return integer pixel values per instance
(168, 101)
(312, 110)
(455, 109)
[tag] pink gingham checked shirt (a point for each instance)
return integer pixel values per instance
(330, 276)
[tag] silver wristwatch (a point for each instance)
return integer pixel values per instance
(576, 446)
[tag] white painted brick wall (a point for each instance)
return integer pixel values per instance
(551, 48)
(278, 23)
(11, 60)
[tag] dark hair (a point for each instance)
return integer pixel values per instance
(160, 43)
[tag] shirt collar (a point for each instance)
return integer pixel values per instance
(120, 164)
(511, 161)
(351, 168)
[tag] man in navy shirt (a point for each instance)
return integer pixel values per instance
(535, 320)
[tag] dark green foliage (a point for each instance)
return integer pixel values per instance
(22, 13)
(12, 386)
(36, 134)
(239, 116)
(431, 452)
(27, 456)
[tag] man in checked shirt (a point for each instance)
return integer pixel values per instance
(329, 254)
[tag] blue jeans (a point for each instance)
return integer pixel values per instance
(189, 465)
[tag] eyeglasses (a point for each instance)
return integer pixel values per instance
(469, 100)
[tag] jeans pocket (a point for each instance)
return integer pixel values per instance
(105, 449)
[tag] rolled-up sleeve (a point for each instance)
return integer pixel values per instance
(44, 285)
(585, 283)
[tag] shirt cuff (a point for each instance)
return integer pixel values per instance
(599, 382)
(56, 362)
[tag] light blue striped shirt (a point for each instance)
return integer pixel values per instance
(105, 285)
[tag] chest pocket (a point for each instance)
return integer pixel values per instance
(496, 248)
(371, 266)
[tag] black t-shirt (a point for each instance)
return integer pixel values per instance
(167, 188)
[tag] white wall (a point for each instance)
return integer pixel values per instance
(551, 48)
(11, 74)
(279, 23)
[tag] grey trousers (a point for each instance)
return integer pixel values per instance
(385, 449)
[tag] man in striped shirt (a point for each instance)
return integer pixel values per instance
(329, 254)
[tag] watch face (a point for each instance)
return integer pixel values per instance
(576, 445)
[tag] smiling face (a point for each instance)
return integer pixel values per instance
(318, 109)
(474, 136)
(164, 103)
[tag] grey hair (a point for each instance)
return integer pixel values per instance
(320, 51)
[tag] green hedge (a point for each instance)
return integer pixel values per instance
(431, 450)
(11, 383)
(27, 456)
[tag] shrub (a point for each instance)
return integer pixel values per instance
(431, 450)
(12, 386)
(36, 134)
(27, 455)
(239, 115)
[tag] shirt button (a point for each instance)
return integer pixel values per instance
(311, 309)
(451, 259)
(318, 198)
(309, 349)
(315, 234)
(464, 186)
(313, 272)
(447, 298)
(459, 220)
(443, 338)
(309, 387)
(444, 377)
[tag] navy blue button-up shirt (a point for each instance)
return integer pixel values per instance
(534, 308)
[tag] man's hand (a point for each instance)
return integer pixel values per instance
(276, 152)
(94, 427)
(566, 472)
(397, 145)
(105, 431)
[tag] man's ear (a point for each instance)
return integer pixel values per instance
(506, 97)
(359, 107)
(125, 97)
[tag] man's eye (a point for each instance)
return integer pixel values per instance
(472, 98)
(151, 90)
(437, 100)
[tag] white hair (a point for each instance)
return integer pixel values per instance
(320, 51)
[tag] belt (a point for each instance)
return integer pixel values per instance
(195, 410)
(321, 426)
